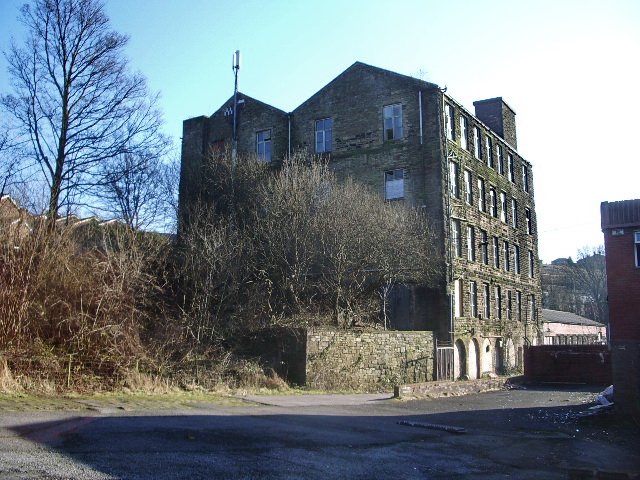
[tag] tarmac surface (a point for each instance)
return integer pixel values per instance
(520, 434)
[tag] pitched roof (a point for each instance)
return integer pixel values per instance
(242, 97)
(556, 316)
(366, 68)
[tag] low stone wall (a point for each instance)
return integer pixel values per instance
(461, 387)
(339, 359)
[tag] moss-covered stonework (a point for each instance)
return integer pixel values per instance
(350, 359)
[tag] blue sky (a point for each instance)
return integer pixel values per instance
(568, 68)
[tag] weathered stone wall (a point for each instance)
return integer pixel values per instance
(446, 388)
(506, 274)
(338, 359)
(355, 102)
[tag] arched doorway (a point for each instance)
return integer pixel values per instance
(499, 356)
(510, 356)
(486, 357)
(459, 360)
(474, 359)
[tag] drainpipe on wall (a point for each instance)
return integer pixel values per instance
(449, 214)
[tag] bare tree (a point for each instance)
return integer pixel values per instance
(75, 102)
(303, 246)
(133, 188)
(8, 160)
(589, 275)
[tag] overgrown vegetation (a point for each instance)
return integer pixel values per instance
(91, 304)
(290, 246)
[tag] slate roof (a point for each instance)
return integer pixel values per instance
(556, 316)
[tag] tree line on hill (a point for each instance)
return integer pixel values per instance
(578, 286)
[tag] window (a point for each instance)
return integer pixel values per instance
(453, 179)
(458, 298)
(514, 213)
(531, 264)
(503, 207)
(498, 292)
(525, 178)
(493, 203)
(519, 306)
(505, 252)
(532, 309)
(323, 135)
(484, 248)
(516, 258)
(471, 243)
(449, 120)
(510, 169)
(263, 145)
(500, 160)
(489, 151)
(486, 301)
(636, 236)
(456, 240)
(394, 184)
(468, 187)
(527, 215)
(496, 252)
(464, 132)
(473, 298)
(482, 203)
(509, 305)
(477, 142)
(392, 121)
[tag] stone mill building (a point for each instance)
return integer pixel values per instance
(410, 141)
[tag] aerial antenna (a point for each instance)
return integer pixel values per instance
(235, 66)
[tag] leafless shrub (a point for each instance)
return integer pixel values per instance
(7, 383)
(85, 291)
(271, 245)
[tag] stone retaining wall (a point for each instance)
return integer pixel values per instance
(338, 359)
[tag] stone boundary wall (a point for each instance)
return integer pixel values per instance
(461, 387)
(338, 359)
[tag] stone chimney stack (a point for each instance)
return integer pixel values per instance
(499, 117)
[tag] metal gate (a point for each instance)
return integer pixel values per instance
(444, 363)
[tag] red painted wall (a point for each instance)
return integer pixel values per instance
(623, 282)
(568, 363)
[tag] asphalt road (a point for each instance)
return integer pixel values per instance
(518, 434)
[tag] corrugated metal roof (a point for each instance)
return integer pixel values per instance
(556, 316)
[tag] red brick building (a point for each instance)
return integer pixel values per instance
(621, 227)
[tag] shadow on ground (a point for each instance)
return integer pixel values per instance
(333, 442)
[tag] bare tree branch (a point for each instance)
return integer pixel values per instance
(74, 99)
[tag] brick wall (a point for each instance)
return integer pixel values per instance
(568, 363)
(623, 283)
(620, 220)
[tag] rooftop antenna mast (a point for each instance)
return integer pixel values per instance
(236, 67)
